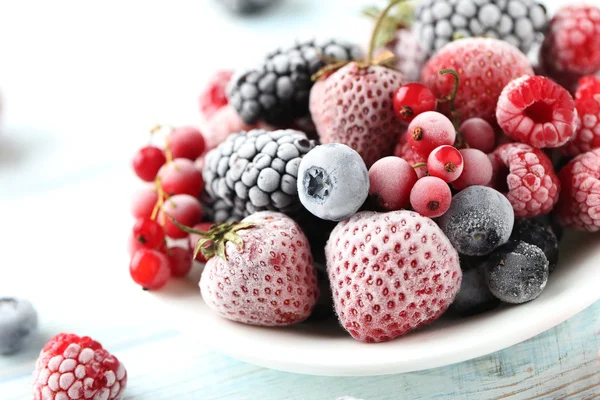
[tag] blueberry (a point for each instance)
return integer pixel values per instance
(517, 272)
(536, 233)
(18, 324)
(333, 181)
(474, 296)
(479, 220)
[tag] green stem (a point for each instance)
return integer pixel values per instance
(419, 165)
(451, 98)
(377, 27)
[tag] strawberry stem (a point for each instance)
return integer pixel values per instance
(377, 27)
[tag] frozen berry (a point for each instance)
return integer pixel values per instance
(180, 260)
(150, 269)
(537, 111)
(428, 131)
(446, 163)
(535, 233)
(18, 324)
(430, 197)
(391, 180)
(479, 220)
(333, 181)
(214, 95)
(146, 233)
(193, 239)
(71, 367)
(477, 170)
(147, 162)
(225, 122)
(587, 102)
(185, 209)
(478, 134)
(143, 201)
(181, 177)
(186, 142)
(517, 273)
(474, 296)
(412, 99)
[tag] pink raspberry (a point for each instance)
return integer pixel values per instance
(223, 123)
(533, 187)
(536, 111)
(579, 205)
(587, 103)
(214, 95)
(71, 367)
(390, 273)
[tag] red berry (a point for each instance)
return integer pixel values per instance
(536, 111)
(587, 102)
(181, 177)
(185, 209)
(446, 163)
(214, 95)
(431, 197)
(428, 131)
(150, 269)
(391, 180)
(186, 142)
(143, 202)
(180, 261)
(148, 234)
(71, 367)
(193, 239)
(477, 169)
(479, 134)
(413, 99)
(147, 162)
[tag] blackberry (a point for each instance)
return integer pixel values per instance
(246, 6)
(255, 171)
(519, 22)
(517, 272)
(277, 91)
(536, 233)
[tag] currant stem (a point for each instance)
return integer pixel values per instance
(419, 165)
(378, 24)
(160, 201)
(451, 98)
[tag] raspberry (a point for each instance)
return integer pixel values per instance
(214, 95)
(587, 103)
(572, 43)
(430, 197)
(405, 151)
(579, 205)
(536, 111)
(484, 65)
(73, 367)
(533, 187)
(223, 123)
(390, 273)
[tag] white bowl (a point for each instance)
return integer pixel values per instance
(325, 349)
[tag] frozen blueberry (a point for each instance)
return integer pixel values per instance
(333, 181)
(474, 296)
(536, 233)
(517, 272)
(18, 324)
(479, 220)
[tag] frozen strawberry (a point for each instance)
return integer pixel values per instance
(71, 367)
(579, 205)
(261, 271)
(526, 176)
(354, 106)
(390, 273)
(214, 95)
(485, 66)
(587, 103)
(536, 111)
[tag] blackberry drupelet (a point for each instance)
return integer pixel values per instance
(519, 22)
(277, 91)
(255, 171)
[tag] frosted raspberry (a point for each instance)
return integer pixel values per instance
(484, 65)
(572, 43)
(579, 205)
(404, 150)
(214, 95)
(536, 111)
(73, 367)
(390, 273)
(587, 103)
(533, 187)
(223, 123)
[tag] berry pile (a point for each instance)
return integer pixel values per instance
(414, 196)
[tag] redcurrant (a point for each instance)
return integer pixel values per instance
(413, 99)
